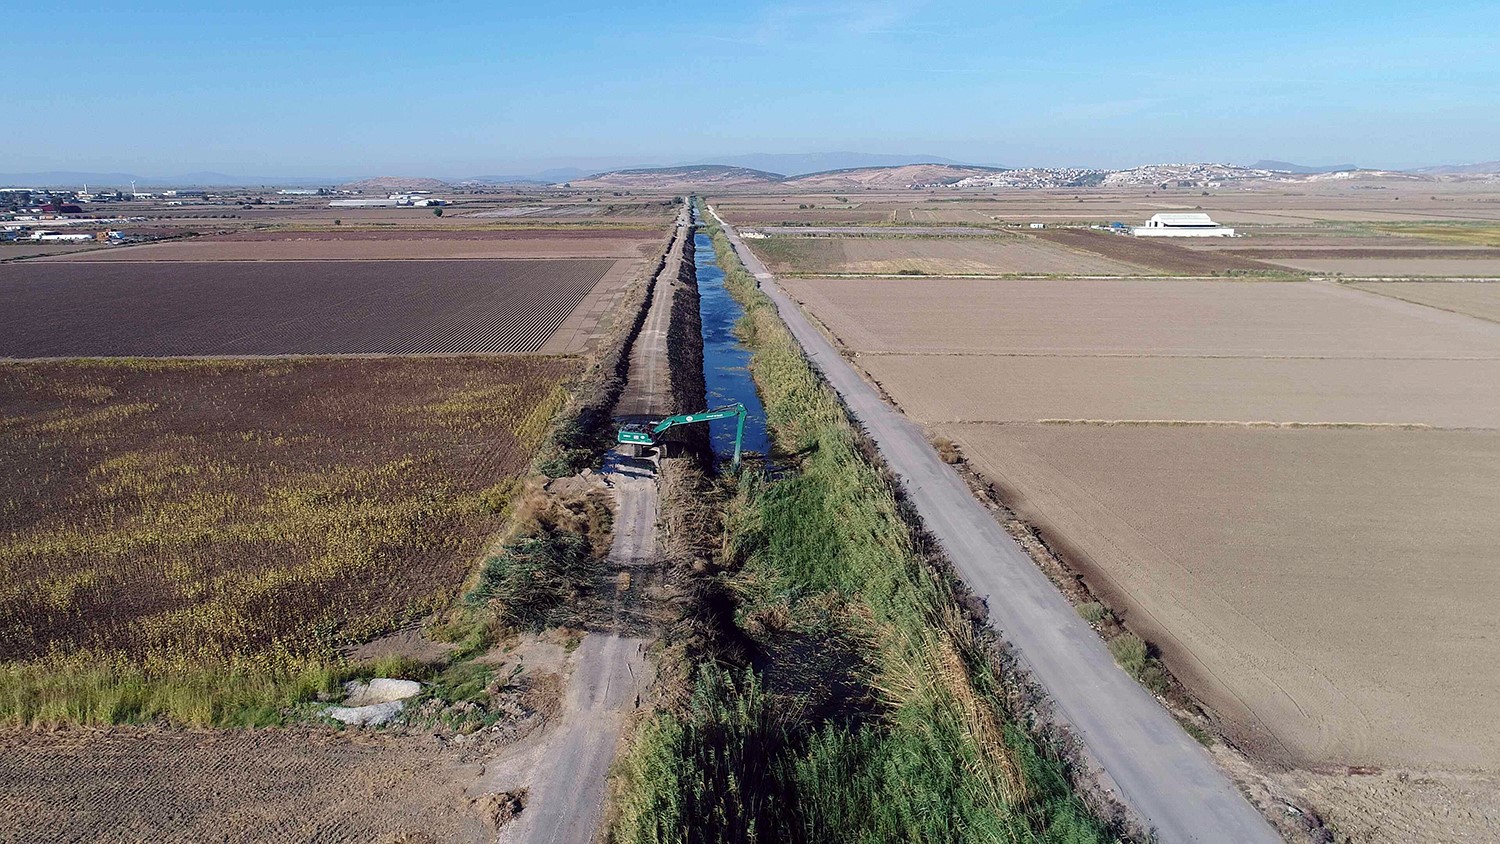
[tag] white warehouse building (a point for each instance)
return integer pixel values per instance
(1181, 225)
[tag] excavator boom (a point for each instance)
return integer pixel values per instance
(649, 434)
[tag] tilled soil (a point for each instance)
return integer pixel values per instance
(144, 784)
(288, 307)
(1166, 257)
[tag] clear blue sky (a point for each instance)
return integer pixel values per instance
(484, 88)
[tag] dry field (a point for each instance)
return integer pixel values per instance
(77, 309)
(1479, 266)
(1180, 317)
(371, 245)
(217, 510)
(1289, 487)
(1156, 255)
(1477, 299)
(1321, 589)
(1415, 205)
(998, 255)
(1028, 388)
(140, 785)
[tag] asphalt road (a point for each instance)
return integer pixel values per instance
(1154, 768)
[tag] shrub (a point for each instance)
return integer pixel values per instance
(1093, 612)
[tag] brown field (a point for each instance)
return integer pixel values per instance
(216, 510)
(138, 785)
(290, 307)
(1417, 208)
(1479, 266)
(1477, 299)
(1208, 317)
(1288, 487)
(1472, 253)
(1380, 391)
(1320, 589)
(996, 255)
(370, 245)
(1159, 256)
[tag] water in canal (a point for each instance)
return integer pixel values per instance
(726, 361)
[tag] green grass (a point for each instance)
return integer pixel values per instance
(934, 758)
(242, 695)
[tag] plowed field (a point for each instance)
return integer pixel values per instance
(1152, 252)
(1289, 487)
(290, 307)
(1475, 298)
(1209, 318)
(145, 786)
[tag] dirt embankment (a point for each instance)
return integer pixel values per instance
(1165, 257)
(685, 357)
(584, 427)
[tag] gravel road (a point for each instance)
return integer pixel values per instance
(1147, 760)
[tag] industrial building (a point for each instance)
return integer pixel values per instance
(395, 200)
(1192, 224)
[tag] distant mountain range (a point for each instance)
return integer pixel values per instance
(721, 175)
(800, 164)
(814, 171)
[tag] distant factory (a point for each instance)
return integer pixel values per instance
(1181, 225)
(395, 200)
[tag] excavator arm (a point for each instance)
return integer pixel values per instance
(638, 434)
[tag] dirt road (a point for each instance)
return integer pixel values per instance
(647, 394)
(1147, 760)
(565, 771)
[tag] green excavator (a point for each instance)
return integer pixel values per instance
(649, 433)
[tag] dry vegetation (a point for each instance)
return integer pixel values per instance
(161, 516)
(999, 255)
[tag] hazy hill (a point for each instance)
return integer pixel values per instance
(77, 179)
(800, 164)
(1484, 168)
(903, 176)
(395, 183)
(1305, 169)
(675, 178)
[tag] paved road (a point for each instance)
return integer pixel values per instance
(1153, 767)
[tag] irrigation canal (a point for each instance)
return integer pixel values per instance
(726, 361)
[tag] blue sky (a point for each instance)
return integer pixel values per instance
(460, 88)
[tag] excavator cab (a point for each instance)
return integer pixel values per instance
(635, 433)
